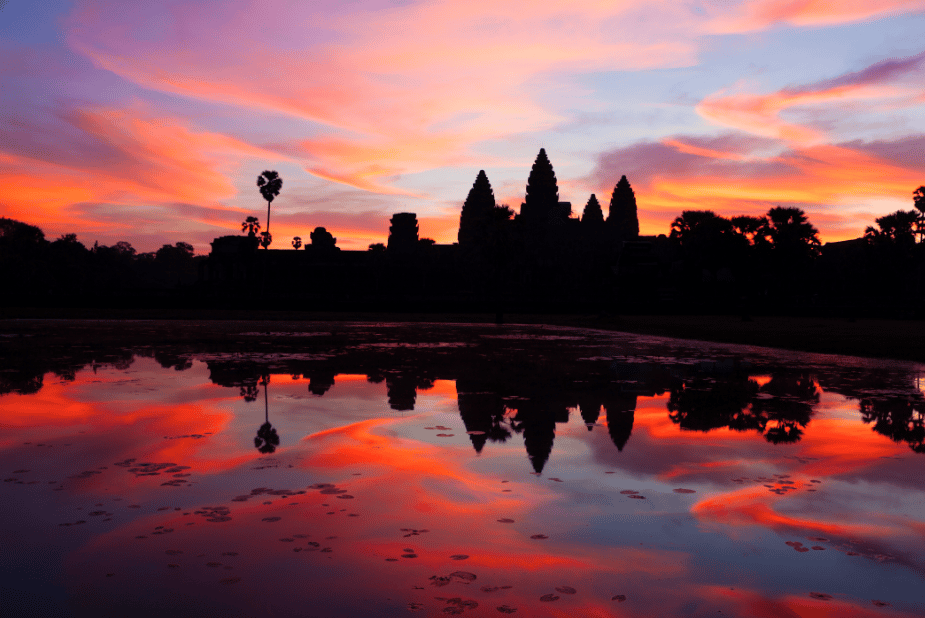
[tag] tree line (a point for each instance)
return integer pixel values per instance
(773, 263)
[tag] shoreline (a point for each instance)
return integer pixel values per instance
(872, 338)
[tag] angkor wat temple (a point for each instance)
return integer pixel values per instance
(544, 258)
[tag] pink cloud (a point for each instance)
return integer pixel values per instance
(759, 114)
(404, 89)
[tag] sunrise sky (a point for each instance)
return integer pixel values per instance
(150, 122)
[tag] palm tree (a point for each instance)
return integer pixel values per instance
(919, 197)
(250, 225)
(270, 183)
(297, 242)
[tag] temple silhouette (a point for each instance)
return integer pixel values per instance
(542, 258)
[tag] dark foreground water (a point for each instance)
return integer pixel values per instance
(434, 470)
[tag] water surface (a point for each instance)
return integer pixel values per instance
(382, 469)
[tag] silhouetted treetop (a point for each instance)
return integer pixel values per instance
(270, 183)
(918, 197)
(790, 231)
(694, 225)
(476, 211)
(251, 225)
(622, 215)
(180, 252)
(592, 214)
(749, 227)
(895, 228)
(542, 190)
(17, 232)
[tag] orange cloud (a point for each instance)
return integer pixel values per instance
(136, 164)
(835, 184)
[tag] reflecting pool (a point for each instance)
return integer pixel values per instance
(387, 469)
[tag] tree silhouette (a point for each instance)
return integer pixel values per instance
(897, 228)
(251, 225)
(297, 242)
(750, 227)
(267, 439)
(265, 239)
(918, 197)
(790, 232)
(270, 183)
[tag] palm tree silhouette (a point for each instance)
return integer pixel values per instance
(270, 183)
(250, 225)
(297, 242)
(267, 439)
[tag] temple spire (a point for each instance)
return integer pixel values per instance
(542, 191)
(476, 212)
(622, 216)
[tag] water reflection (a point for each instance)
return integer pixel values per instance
(267, 439)
(778, 404)
(632, 483)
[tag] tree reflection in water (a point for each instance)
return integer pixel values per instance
(780, 409)
(267, 439)
(900, 419)
(497, 400)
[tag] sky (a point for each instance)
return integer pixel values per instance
(150, 122)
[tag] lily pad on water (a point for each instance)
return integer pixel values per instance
(463, 575)
(506, 609)
(566, 590)
(546, 598)
(458, 557)
(619, 598)
(682, 490)
(505, 520)
(821, 596)
(629, 492)
(539, 537)
(271, 519)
